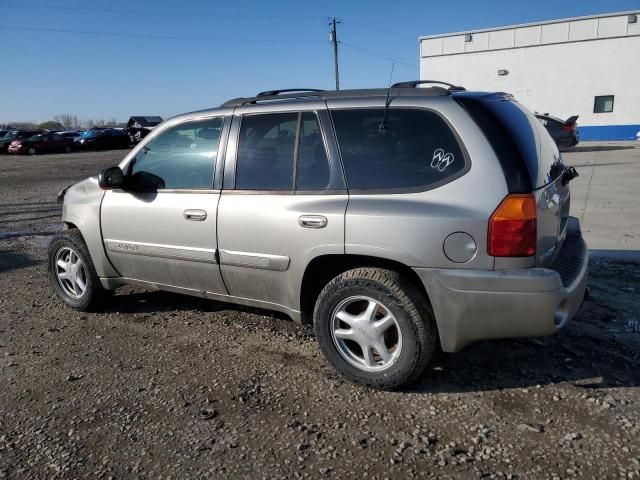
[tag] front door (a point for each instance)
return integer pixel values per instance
(162, 227)
(283, 204)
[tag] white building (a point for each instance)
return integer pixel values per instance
(586, 66)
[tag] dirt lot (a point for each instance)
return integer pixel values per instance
(163, 386)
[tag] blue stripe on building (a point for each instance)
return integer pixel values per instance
(609, 132)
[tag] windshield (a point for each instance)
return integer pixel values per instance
(34, 138)
(92, 133)
(10, 135)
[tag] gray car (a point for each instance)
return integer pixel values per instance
(395, 220)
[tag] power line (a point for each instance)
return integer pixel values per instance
(165, 13)
(369, 52)
(380, 30)
(162, 37)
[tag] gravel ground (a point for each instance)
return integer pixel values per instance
(164, 386)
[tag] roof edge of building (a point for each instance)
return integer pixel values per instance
(530, 24)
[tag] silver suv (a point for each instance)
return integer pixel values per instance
(392, 219)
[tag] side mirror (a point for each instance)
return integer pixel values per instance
(111, 177)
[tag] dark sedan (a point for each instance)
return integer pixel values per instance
(42, 143)
(103, 139)
(564, 132)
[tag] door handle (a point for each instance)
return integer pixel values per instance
(312, 221)
(195, 215)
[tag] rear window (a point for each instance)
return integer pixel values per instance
(417, 150)
(524, 148)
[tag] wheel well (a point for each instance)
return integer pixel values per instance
(69, 225)
(322, 269)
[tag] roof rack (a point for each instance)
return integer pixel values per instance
(270, 93)
(415, 83)
(301, 94)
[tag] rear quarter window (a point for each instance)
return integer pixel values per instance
(418, 150)
(525, 150)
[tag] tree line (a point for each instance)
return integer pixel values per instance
(64, 121)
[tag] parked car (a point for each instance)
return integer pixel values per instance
(103, 139)
(140, 126)
(564, 132)
(42, 143)
(9, 137)
(394, 220)
(73, 134)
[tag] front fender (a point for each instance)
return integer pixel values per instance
(81, 208)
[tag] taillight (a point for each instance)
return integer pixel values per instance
(512, 227)
(569, 127)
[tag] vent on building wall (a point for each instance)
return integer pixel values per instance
(633, 18)
(468, 37)
(503, 73)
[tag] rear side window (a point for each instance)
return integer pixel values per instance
(416, 150)
(313, 166)
(282, 152)
(265, 152)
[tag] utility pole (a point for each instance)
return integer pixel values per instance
(333, 38)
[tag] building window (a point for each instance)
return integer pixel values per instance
(468, 37)
(603, 104)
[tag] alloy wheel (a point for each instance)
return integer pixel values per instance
(366, 333)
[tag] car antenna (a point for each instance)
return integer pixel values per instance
(383, 127)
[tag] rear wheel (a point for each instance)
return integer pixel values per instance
(67, 149)
(32, 150)
(72, 273)
(375, 328)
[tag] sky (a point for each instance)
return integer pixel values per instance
(111, 60)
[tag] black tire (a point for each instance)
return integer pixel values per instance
(32, 151)
(404, 301)
(93, 297)
(68, 149)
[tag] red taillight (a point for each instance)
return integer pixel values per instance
(512, 227)
(569, 127)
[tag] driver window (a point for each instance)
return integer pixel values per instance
(181, 157)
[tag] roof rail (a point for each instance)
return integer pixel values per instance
(415, 83)
(286, 95)
(266, 96)
(270, 93)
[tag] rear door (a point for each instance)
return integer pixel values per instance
(283, 201)
(162, 227)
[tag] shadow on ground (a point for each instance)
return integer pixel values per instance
(599, 148)
(601, 164)
(152, 302)
(10, 260)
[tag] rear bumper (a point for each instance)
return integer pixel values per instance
(472, 305)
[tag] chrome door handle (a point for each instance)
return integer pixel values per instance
(312, 221)
(195, 215)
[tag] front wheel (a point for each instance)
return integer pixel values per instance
(72, 273)
(32, 151)
(375, 327)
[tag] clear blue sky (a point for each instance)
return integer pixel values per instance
(221, 50)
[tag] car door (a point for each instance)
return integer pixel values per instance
(56, 143)
(162, 227)
(283, 202)
(43, 143)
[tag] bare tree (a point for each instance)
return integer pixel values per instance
(67, 120)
